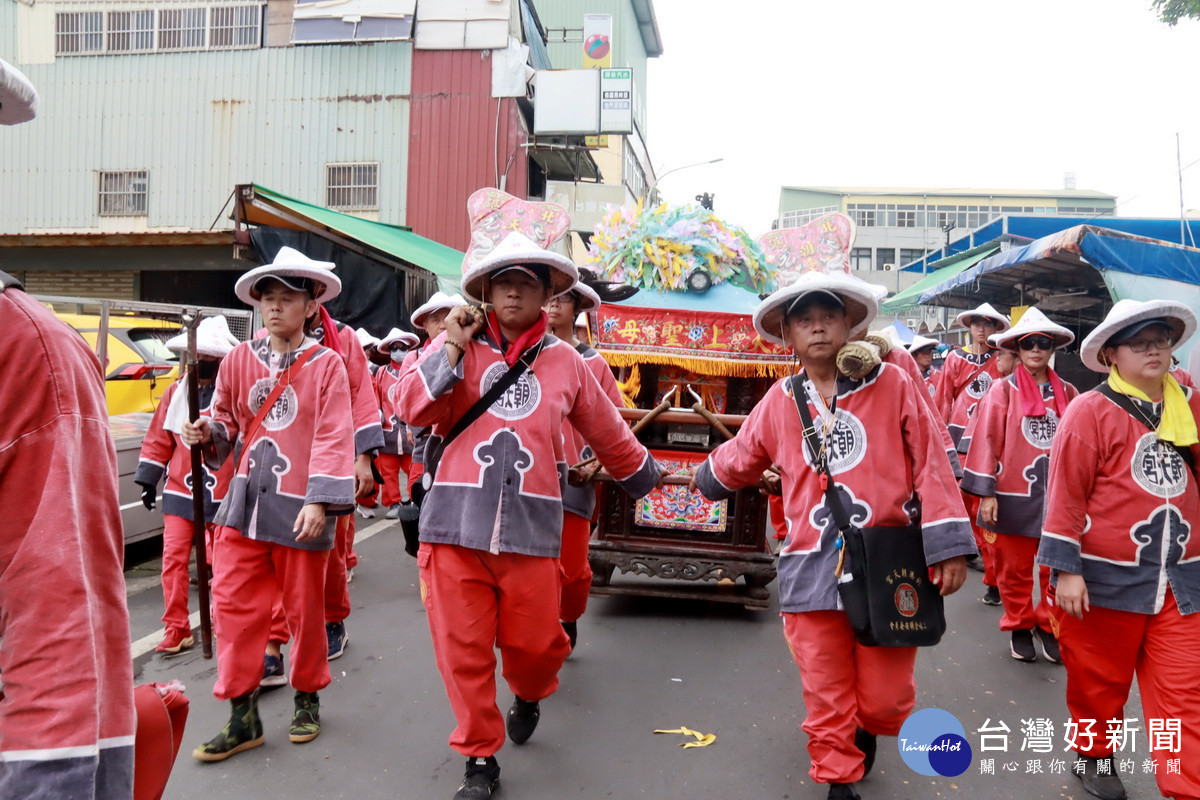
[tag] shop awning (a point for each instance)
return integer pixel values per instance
(393, 244)
(912, 295)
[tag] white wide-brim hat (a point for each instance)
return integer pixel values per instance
(437, 301)
(986, 311)
(213, 338)
(859, 298)
(588, 299)
(397, 337)
(518, 250)
(365, 338)
(920, 342)
(1178, 317)
(1033, 321)
(18, 98)
(290, 264)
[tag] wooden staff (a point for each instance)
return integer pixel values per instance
(637, 426)
(711, 418)
(190, 321)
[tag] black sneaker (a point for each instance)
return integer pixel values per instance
(1106, 786)
(522, 720)
(843, 791)
(867, 743)
(273, 675)
(244, 731)
(572, 629)
(991, 597)
(1021, 646)
(1049, 644)
(306, 719)
(336, 639)
(480, 779)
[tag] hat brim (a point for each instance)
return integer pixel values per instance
(408, 340)
(860, 303)
(326, 285)
(1180, 318)
(563, 273)
(999, 319)
(1010, 339)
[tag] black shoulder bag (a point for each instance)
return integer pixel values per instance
(882, 578)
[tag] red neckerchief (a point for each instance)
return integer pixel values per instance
(1032, 403)
(515, 349)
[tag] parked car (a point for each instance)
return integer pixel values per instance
(139, 366)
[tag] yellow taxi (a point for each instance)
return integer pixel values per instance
(140, 367)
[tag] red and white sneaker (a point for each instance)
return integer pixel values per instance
(175, 642)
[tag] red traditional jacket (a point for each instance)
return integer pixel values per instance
(965, 379)
(395, 432)
(1121, 508)
(903, 359)
(1009, 457)
(888, 460)
(368, 433)
(419, 434)
(581, 500)
(499, 484)
(303, 452)
(163, 451)
(67, 719)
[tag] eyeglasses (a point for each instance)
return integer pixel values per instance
(1036, 343)
(1142, 345)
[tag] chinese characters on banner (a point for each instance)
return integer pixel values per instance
(1039, 735)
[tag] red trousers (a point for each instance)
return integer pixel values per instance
(846, 685)
(177, 552)
(337, 588)
(574, 568)
(248, 575)
(415, 471)
(1104, 650)
(476, 602)
(390, 466)
(1012, 561)
(983, 539)
(777, 516)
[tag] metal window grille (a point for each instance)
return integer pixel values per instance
(182, 28)
(78, 32)
(130, 31)
(123, 194)
(352, 187)
(235, 26)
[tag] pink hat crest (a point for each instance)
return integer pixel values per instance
(822, 245)
(495, 214)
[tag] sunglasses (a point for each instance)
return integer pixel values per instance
(1036, 342)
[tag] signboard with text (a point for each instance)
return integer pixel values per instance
(616, 101)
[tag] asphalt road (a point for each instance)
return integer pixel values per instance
(641, 664)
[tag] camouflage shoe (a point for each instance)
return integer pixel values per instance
(244, 731)
(306, 719)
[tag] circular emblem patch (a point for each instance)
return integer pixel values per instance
(978, 387)
(905, 599)
(1039, 431)
(846, 444)
(283, 413)
(518, 400)
(1157, 468)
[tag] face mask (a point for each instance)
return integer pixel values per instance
(207, 370)
(398, 355)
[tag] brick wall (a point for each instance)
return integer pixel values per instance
(111, 284)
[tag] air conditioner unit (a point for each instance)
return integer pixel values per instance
(912, 322)
(889, 266)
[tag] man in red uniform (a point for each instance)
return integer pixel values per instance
(579, 502)
(490, 579)
(1120, 538)
(852, 693)
(282, 404)
(1006, 466)
(164, 453)
(396, 456)
(921, 349)
(66, 718)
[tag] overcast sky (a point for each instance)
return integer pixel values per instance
(928, 93)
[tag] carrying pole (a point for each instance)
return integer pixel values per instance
(190, 321)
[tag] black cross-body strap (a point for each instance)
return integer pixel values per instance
(482, 404)
(1126, 403)
(820, 461)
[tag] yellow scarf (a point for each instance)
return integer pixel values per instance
(1178, 425)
